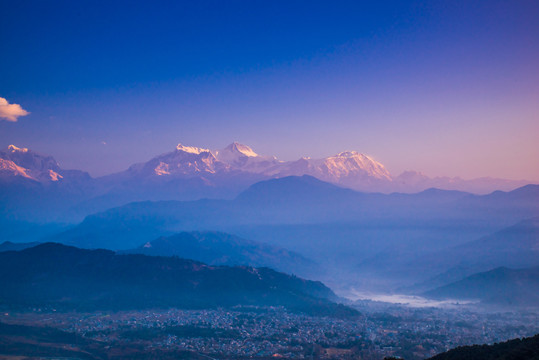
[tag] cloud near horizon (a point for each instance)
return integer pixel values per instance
(11, 112)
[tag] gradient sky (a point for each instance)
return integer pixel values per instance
(443, 87)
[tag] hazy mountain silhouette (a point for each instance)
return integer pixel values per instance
(516, 246)
(218, 248)
(10, 246)
(308, 200)
(372, 235)
(501, 286)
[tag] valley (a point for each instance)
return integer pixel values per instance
(382, 330)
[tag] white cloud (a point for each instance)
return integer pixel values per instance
(11, 112)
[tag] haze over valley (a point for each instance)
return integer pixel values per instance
(297, 217)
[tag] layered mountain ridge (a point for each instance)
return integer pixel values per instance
(499, 286)
(34, 188)
(218, 248)
(215, 167)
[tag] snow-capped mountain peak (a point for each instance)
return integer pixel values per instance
(348, 154)
(235, 153)
(13, 148)
(29, 159)
(348, 168)
(26, 163)
(242, 157)
(355, 155)
(9, 168)
(191, 149)
(242, 149)
(184, 161)
(353, 163)
(239, 164)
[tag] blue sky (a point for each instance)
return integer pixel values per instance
(444, 87)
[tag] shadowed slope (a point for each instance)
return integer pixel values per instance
(68, 277)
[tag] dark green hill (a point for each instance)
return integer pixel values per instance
(67, 277)
(517, 349)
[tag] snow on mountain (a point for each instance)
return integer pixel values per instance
(15, 161)
(190, 161)
(29, 164)
(351, 164)
(350, 168)
(185, 161)
(191, 149)
(9, 169)
(235, 151)
(235, 154)
(242, 157)
(240, 165)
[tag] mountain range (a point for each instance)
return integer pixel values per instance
(31, 181)
(300, 200)
(355, 236)
(351, 234)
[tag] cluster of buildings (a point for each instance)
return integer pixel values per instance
(273, 332)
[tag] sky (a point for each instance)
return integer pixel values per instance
(448, 88)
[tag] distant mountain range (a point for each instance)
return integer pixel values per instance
(30, 181)
(501, 286)
(66, 277)
(404, 237)
(11, 246)
(516, 246)
(295, 200)
(218, 248)
(368, 235)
